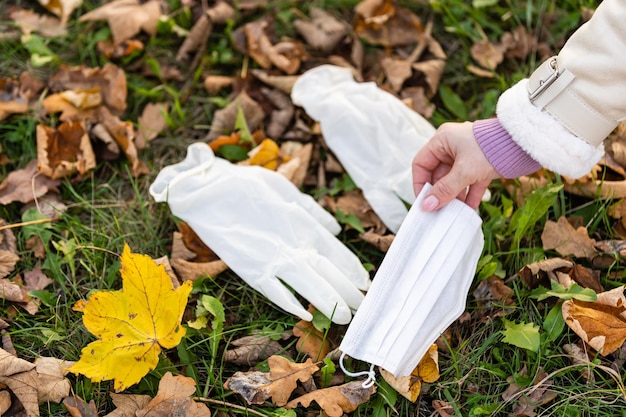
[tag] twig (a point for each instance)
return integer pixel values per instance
(28, 223)
(231, 405)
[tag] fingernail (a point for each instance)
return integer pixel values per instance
(430, 203)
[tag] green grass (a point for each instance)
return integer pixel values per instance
(109, 207)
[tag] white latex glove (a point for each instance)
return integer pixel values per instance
(373, 134)
(266, 231)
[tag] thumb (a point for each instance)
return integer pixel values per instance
(443, 191)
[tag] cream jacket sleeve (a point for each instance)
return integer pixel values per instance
(561, 114)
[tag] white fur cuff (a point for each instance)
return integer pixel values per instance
(543, 137)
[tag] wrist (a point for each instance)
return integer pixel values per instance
(506, 156)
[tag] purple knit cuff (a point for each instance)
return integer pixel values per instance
(506, 156)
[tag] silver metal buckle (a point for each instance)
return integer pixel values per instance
(544, 84)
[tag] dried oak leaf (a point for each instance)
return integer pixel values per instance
(382, 22)
(127, 18)
(127, 404)
(25, 185)
(580, 357)
(311, 341)
(566, 240)
(64, 151)
(132, 324)
(110, 79)
(281, 115)
(322, 31)
(253, 386)
(10, 101)
(252, 349)
(601, 324)
(337, 400)
(379, 241)
(410, 386)
(173, 399)
(29, 21)
(5, 401)
(8, 259)
(20, 377)
(297, 164)
(282, 82)
(192, 242)
(397, 71)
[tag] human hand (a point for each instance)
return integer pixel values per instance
(267, 231)
(454, 164)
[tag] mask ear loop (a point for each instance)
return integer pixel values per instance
(371, 375)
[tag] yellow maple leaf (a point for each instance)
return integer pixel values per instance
(427, 370)
(132, 324)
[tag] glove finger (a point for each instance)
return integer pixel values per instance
(278, 294)
(307, 282)
(346, 262)
(339, 281)
(387, 206)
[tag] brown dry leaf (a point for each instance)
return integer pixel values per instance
(250, 350)
(26, 185)
(52, 384)
(427, 370)
(224, 119)
(151, 123)
(124, 135)
(194, 270)
(381, 242)
(119, 50)
(353, 202)
(110, 79)
(540, 273)
(443, 408)
(281, 115)
(77, 407)
(127, 18)
(519, 43)
(432, 70)
(323, 31)
(481, 72)
(282, 82)
(381, 22)
(29, 21)
(397, 71)
(10, 101)
(5, 401)
(213, 84)
(297, 164)
(488, 54)
(285, 375)
(9, 290)
(56, 103)
(8, 259)
(527, 399)
(337, 400)
(8, 241)
(311, 341)
(202, 253)
(415, 98)
(580, 357)
(173, 399)
(196, 39)
(21, 378)
(286, 55)
(566, 240)
(127, 404)
(601, 324)
(494, 297)
(179, 250)
(48, 205)
(253, 386)
(64, 151)
(586, 278)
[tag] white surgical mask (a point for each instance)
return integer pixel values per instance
(419, 289)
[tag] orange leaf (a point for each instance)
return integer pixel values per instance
(602, 324)
(62, 152)
(285, 374)
(427, 370)
(310, 340)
